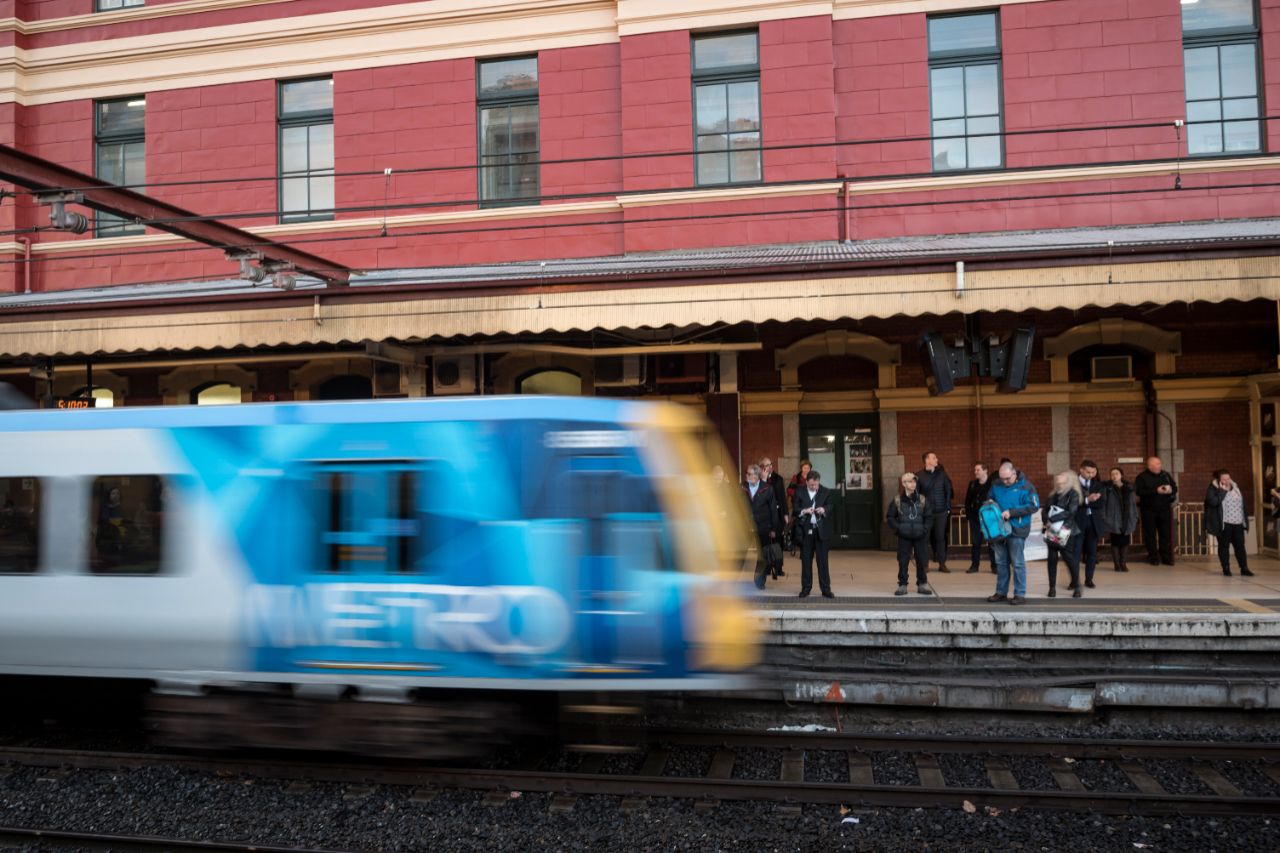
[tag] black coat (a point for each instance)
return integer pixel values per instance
(1145, 485)
(910, 517)
(1090, 522)
(976, 495)
(763, 509)
(936, 487)
(1118, 510)
(779, 489)
(821, 499)
(1213, 508)
(1069, 501)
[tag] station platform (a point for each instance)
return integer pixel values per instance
(1156, 636)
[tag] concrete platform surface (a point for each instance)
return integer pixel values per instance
(866, 580)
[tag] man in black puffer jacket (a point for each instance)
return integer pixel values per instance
(910, 517)
(974, 498)
(935, 486)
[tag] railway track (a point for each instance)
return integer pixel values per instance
(652, 750)
(59, 840)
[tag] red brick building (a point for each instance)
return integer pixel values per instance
(753, 206)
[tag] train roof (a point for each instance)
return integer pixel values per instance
(526, 407)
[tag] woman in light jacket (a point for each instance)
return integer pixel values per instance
(1059, 517)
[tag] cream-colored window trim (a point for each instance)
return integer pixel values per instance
(636, 17)
(850, 9)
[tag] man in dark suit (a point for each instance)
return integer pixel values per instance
(763, 509)
(1088, 518)
(813, 524)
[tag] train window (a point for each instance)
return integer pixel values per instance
(375, 519)
(19, 524)
(128, 530)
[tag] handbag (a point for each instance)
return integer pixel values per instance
(775, 554)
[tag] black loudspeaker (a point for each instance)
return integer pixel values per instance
(942, 364)
(1016, 352)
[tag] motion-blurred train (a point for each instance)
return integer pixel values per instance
(381, 576)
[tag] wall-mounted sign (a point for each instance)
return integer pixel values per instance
(74, 402)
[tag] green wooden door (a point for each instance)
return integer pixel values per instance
(845, 449)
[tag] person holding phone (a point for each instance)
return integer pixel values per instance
(1226, 519)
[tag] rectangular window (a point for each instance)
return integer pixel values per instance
(507, 119)
(119, 136)
(112, 5)
(964, 91)
(374, 518)
(128, 525)
(1220, 59)
(305, 110)
(19, 525)
(726, 108)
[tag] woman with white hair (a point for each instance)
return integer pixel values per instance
(1061, 533)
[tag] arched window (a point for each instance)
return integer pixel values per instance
(216, 394)
(552, 382)
(349, 386)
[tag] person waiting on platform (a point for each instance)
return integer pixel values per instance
(1018, 501)
(814, 526)
(976, 495)
(1062, 530)
(910, 517)
(799, 481)
(1088, 518)
(763, 509)
(1157, 493)
(934, 483)
(1226, 519)
(1119, 515)
(781, 507)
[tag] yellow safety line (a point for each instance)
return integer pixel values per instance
(1245, 604)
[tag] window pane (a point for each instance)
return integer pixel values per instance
(293, 195)
(1204, 110)
(135, 164)
(1239, 71)
(984, 152)
(744, 105)
(524, 128)
(744, 163)
(981, 90)
(1201, 16)
(509, 76)
(713, 168)
(109, 5)
(731, 50)
(713, 108)
(122, 117)
(320, 137)
(713, 142)
(1204, 139)
(111, 162)
(306, 96)
(962, 33)
(128, 525)
(293, 150)
(1201, 72)
(1241, 136)
(946, 92)
(19, 524)
(321, 187)
(948, 153)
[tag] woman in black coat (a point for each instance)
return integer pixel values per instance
(1119, 516)
(1059, 517)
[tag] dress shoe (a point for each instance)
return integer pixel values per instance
(972, 570)
(1124, 568)
(1153, 561)
(1053, 593)
(944, 570)
(804, 595)
(828, 594)
(1089, 584)
(1246, 573)
(1018, 599)
(1226, 573)
(997, 597)
(1076, 594)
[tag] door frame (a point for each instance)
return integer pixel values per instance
(847, 423)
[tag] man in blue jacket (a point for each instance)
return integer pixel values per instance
(1019, 501)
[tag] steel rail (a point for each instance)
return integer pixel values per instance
(62, 839)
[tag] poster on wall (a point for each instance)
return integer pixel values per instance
(860, 470)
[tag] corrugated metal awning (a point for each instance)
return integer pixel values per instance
(418, 316)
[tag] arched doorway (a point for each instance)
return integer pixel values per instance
(564, 382)
(216, 394)
(348, 386)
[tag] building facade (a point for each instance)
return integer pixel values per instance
(751, 206)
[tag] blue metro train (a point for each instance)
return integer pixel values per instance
(298, 567)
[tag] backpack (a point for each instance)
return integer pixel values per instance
(994, 527)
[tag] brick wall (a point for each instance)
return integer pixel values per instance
(580, 106)
(1106, 433)
(1212, 436)
(761, 436)
(657, 110)
(797, 98)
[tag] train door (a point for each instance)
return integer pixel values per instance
(845, 451)
(625, 585)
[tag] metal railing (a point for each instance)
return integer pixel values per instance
(1188, 521)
